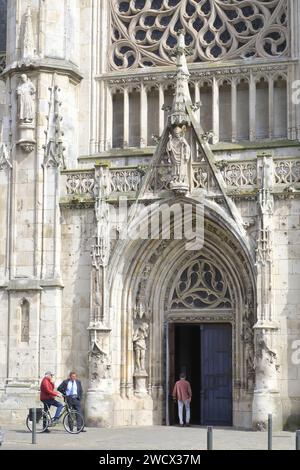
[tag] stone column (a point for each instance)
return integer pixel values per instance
(143, 116)
(109, 118)
(252, 108)
(234, 109)
(161, 102)
(198, 101)
(126, 117)
(266, 393)
(216, 111)
(271, 107)
(98, 400)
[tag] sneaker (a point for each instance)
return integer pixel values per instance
(181, 425)
(188, 425)
(47, 430)
(83, 430)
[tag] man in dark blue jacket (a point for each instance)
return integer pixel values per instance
(71, 388)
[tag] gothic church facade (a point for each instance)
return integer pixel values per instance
(111, 110)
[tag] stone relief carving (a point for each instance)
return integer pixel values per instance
(265, 364)
(4, 157)
(140, 334)
(179, 154)
(248, 342)
(143, 32)
(25, 92)
(99, 364)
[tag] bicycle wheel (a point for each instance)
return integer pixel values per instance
(41, 425)
(73, 422)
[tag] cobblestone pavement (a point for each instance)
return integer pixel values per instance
(148, 438)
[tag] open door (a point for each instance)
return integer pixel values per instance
(170, 373)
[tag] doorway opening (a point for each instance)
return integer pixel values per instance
(204, 353)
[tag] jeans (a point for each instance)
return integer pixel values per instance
(185, 403)
(52, 402)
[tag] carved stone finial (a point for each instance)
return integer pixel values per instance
(28, 50)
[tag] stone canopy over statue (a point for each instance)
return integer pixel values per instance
(179, 154)
(25, 92)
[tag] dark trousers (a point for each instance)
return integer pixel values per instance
(74, 404)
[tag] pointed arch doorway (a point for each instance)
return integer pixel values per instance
(203, 351)
(200, 342)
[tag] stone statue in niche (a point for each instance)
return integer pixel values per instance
(140, 334)
(25, 92)
(179, 154)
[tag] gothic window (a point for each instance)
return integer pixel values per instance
(144, 31)
(25, 308)
(201, 285)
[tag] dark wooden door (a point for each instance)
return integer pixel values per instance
(216, 374)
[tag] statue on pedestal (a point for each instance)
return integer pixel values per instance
(139, 346)
(179, 153)
(25, 92)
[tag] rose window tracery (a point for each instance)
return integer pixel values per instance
(144, 31)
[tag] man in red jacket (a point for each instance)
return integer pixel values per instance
(48, 396)
(183, 394)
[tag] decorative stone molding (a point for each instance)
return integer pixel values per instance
(214, 30)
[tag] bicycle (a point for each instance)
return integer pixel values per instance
(72, 420)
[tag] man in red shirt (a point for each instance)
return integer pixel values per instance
(182, 392)
(48, 395)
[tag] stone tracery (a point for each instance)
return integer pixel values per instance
(144, 31)
(201, 285)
